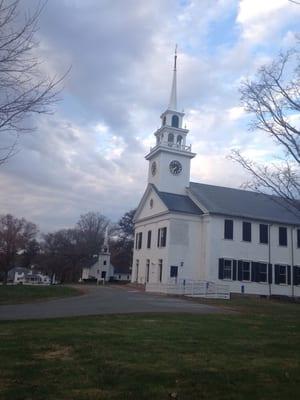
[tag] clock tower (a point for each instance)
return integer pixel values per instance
(169, 160)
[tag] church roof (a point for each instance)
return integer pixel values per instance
(243, 203)
(178, 203)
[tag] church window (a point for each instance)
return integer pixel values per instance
(175, 121)
(263, 234)
(147, 270)
(160, 269)
(138, 240)
(137, 264)
(244, 271)
(282, 274)
(162, 237)
(296, 275)
(104, 262)
(149, 239)
(247, 231)
(228, 229)
(179, 139)
(173, 271)
(227, 272)
(164, 120)
(298, 238)
(151, 203)
(170, 138)
(282, 236)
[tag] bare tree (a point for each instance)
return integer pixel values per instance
(15, 234)
(91, 228)
(24, 90)
(274, 100)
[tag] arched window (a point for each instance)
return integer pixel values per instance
(164, 120)
(179, 139)
(175, 121)
(170, 138)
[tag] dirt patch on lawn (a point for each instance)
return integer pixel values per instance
(57, 352)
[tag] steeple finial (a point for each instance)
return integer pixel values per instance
(173, 97)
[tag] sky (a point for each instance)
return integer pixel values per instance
(88, 154)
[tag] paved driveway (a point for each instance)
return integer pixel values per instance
(104, 300)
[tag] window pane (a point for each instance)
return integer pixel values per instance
(227, 274)
(246, 271)
(263, 234)
(263, 272)
(298, 237)
(282, 274)
(247, 231)
(282, 236)
(228, 229)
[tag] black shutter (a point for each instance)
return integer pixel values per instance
(158, 237)
(240, 270)
(221, 268)
(288, 274)
(255, 272)
(234, 271)
(296, 275)
(277, 269)
(270, 275)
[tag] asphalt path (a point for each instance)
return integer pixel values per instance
(103, 300)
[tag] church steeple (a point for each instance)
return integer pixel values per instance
(173, 96)
(169, 160)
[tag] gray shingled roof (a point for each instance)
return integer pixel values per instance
(178, 203)
(243, 203)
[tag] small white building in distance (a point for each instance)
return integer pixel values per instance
(101, 269)
(190, 232)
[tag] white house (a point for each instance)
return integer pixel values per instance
(101, 269)
(27, 276)
(187, 231)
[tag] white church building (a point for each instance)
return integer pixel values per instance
(192, 232)
(101, 269)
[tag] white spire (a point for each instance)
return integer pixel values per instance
(173, 97)
(105, 248)
(106, 237)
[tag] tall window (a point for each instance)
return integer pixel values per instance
(147, 270)
(164, 120)
(160, 269)
(228, 229)
(245, 270)
(173, 271)
(138, 240)
(149, 239)
(263, 234)
(170, 138)
(137, 264)
(162, 237)
(175, 121)
(227, 271)
(282, 236)
(263, 272)
(281, 274)
(298, 238)
(247, 231)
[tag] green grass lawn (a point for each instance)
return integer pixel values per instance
(13, 294)
(253, 354)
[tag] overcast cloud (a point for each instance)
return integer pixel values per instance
(89, 155)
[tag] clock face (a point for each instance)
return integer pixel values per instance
(175, 167)
(153, 168)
